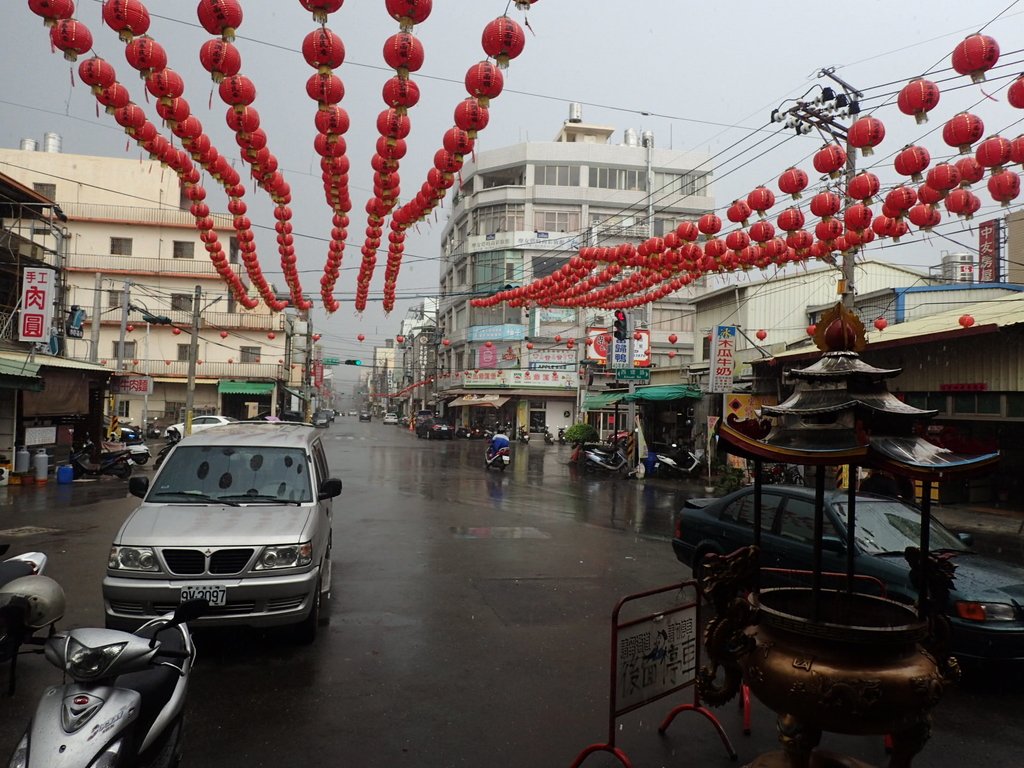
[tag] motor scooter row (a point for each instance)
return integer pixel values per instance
(117, 463)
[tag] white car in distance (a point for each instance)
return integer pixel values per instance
(199, 423)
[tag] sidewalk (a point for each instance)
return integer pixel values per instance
(980, 518)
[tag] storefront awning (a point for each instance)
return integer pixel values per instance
(595, 401)
(245, 387)
(294, 393)
(664, 392)
(490, 401)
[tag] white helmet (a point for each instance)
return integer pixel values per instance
(40, 597)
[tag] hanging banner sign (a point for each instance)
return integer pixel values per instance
(37, 291)
(988, 251)
(723, 360)
(131, 385)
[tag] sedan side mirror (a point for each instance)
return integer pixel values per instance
(966, 538)
(137, 486)
(329, 488)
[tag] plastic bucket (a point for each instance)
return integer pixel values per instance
(65, 474)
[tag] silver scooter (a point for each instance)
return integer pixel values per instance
(125, 703)
(29, 603)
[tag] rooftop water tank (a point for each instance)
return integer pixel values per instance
(51, 142)
(575, 112)
(29, 145)
(958, 267)
(630, 139)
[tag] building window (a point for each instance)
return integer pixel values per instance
(46, 190)
(249, 354)
(115, 298)
(233, 253)
(183, 350)
(181, 302)
(494, 269)
(120, 246)
(460, 275)
(506, 177)
(554, 220)
(618, 178)
(124, 408)
(183, 249)
(184, 201)
(129, 350)
(556, 175)
(500, 218)
(981, 403)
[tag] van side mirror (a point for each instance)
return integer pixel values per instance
(833, 544)
(330, 488)
(966, 538)
(137, 486)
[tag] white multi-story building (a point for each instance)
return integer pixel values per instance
(522, 211)
(131, 253)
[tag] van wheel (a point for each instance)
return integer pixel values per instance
(305, 630)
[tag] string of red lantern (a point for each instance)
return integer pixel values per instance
(325, 52)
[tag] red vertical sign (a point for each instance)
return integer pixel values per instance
(988, 251)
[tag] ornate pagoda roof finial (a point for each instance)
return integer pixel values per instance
(839, 330)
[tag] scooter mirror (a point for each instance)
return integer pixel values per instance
(190, 610)
(137, 486)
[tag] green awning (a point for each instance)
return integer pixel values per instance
(595, 401)
(294, 393)
(17, 372)
(245, 387)
(664, 392)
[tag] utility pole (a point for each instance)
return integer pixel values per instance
(307, 389)
(193, 354)
(125, 308)
(97, 306)
(821, 114)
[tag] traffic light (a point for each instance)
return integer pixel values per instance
(621, 325)
(353, 362)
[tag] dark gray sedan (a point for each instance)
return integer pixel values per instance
(986, 605)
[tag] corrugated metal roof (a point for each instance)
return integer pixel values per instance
(988, 316)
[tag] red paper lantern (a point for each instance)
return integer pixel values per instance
(403, 52)
(400, 339)
(858, 217)
(401, 92)
(790, 219)
(176, 331)
(962, 130)
(864, 186)
(223, 334)
(762, 231)
(52, 10)
(237, 90)
(962, 202)
(1004, 187)
(558, 339)
(361, 337)
(490, 344)
(129, 327)
(881, 323)
(484, 81)
(761, 199)
(97, 73)
(761, 334)
(637, 336)
(672, 338)
(738, 212)
(271, 335)
(393, 124)
(323, 50)
(471, 116)
(126, 17)
(830, 159)
(811, 330)
(793, 182)
(865, 134)
(709, 224)
(220, 58)
(72, 37)
(918, 98)
(943, 177)
(220, 17)
(993, 153)
(912, 161)
(409, 12)
(901, 198)
(825, 205)
(971, 171)
(966, 321)
(529, 345)
(924, 217)
(146, 55)
(445, 342)
(321, 8)
(975, 55)
(502, 40)
(1015, 93)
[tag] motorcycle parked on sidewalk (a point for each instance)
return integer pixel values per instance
(604, 458)
(499, 459)
(125, 702)
(116, 463)
(677, 462)
(29, 603)
(548, 439)
(524, 435)
(561, 435)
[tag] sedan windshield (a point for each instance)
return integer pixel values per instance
(890, 526)
(233, 475)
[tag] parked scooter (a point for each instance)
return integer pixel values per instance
(677, 462)
(116, 463)
(561, 435)
(604, 458)
(172, 441)
(548, 440)
(524, 435)
(125, 702)
(29, 603)
(499, 459)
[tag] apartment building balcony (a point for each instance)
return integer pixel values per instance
(108, 264)
(138, 215)
(228, 321)
(178, 369)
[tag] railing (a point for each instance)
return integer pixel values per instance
(132, 214)
(178, 369)
(182, 318)
(105, 262)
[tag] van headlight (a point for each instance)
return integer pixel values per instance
(133, 559)
(285, 556)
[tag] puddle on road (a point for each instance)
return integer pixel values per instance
(498, 532)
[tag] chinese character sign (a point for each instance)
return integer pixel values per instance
(37, 291)
(988, 251)
(656, 657)
(723, 348)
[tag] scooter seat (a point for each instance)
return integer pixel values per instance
(156, 684)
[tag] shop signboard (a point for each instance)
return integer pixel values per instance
(988, 251)
(37, 293)
(723, 361)
(602, 343)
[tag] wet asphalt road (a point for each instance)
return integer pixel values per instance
(470, 623)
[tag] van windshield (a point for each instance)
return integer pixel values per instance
(235, 475)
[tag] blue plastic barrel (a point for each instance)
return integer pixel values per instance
(65, 474)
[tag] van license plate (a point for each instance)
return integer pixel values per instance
(216, 595)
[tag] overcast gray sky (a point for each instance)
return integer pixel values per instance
(701, 76)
